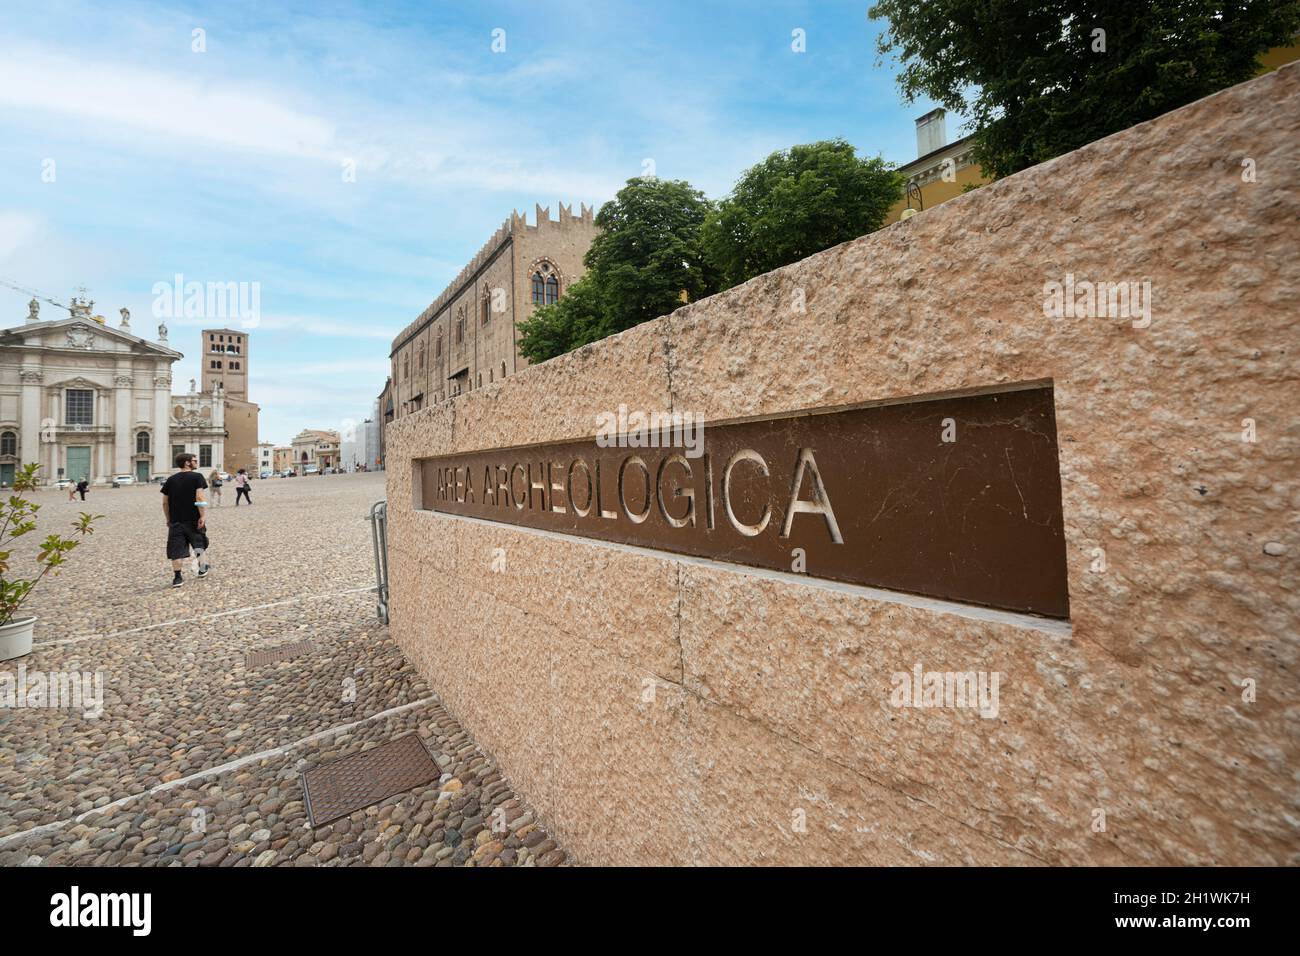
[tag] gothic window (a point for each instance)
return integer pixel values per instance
(487, 308)
(8, 443)
(421, 358)
(142, 443)
(460, 328)
(546, 284)
(480, 380)
(437, 347)
(503, 369)
(81, 406)
(406, 365)
(205, 456)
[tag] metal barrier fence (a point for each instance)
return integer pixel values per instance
(379, 538)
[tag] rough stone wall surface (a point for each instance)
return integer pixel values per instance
(771, 694)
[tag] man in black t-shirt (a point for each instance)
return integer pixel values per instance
(184, 504)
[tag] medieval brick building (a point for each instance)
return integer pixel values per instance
(468, 337)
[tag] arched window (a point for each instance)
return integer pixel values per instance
(437, 347)
(142, 443)
(421, 356)
(480, 380)
(487, 308)
(546, 284)
(8, 443)
(503, 369)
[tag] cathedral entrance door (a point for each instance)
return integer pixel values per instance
(78, 462)
(142, 472)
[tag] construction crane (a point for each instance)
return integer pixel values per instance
(34, 294)
(79, 306)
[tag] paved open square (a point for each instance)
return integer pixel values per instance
(194, 753)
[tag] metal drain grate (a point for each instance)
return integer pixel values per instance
(351, 783)
(281, 652)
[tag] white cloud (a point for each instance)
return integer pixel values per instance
(177, 106)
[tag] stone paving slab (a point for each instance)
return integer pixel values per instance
(196, 758)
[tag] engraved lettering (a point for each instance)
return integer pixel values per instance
(622, 489)
(821, 503)
(748, 530)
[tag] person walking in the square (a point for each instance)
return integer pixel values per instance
(214, 480)
(241, 488)
(184, 504)
(82, 487)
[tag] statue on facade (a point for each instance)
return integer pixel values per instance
(192, 388)
(162, 331)
(126, 318)
(33, 311)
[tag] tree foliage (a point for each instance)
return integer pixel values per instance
(1038, 80)
(795, 203)
(644, 263)
(17, 519)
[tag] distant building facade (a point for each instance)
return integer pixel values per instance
(467, 338)
(199, 427)
(384, 416)
(241, 435)
(941, 171)
(944, 170)
(318, 447)
(265, 456)
(282, 457)
(358, 449)
(81, 398)
(224, 362)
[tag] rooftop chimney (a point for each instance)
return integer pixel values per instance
(930, 133)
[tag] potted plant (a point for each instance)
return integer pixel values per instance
(17, 518)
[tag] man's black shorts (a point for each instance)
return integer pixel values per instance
(181, 536)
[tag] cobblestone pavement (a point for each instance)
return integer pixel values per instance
(196, 759)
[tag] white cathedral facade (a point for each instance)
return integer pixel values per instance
(84, 399)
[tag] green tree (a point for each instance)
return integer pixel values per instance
(1038, 79)
(576, 319)
(645, 262)
(18, 518)
(795, 203)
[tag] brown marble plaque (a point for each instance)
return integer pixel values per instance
(956, 498)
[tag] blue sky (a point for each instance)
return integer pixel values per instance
(228, 165)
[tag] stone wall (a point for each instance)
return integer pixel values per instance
(1165, 707)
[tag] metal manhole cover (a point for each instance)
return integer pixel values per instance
(351, 783)
(281, 652)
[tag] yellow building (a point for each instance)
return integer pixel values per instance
(944, 170)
